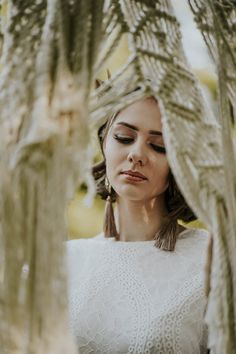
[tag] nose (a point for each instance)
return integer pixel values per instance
(137, 155)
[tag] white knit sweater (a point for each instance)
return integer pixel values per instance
(130, 297)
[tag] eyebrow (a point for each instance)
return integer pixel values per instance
(153, 132)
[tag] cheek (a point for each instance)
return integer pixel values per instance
(165, 168)
(113, 156)
(162, 172)
(160, 163)
(114, 152)
(110, 153)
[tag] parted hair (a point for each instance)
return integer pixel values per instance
(177, 207)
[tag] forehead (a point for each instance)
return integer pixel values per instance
(144, 114)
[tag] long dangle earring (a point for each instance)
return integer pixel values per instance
(109, 226)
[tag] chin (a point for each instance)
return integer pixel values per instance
(131, 193)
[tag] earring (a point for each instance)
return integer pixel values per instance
(107, 185)
(109, 226)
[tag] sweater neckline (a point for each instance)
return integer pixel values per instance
(113, 239)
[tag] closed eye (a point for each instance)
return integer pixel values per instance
(128, 140)
(123, 139)
(158, 148)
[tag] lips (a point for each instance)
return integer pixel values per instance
(134, 174)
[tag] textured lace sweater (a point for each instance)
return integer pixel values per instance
(130, 297)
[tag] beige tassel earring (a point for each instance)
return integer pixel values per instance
(109, 226)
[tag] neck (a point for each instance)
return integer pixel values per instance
(139, 221)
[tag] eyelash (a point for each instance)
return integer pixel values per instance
(123, 140)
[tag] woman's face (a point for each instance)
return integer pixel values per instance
(134, 145)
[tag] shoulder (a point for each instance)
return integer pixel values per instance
(197, 234)
(190, 256)
(194, 243)
(73, 246)
(76, 246)
(81, 255)
(78, 241)
(77, 252)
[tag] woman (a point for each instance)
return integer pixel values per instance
(138, 286)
